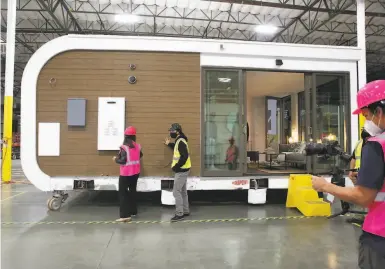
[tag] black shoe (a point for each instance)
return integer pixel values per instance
(186, 214)
(177, 218)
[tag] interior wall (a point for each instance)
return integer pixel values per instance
(294, 116)
(256, 119)
(259, 123)
(167, 91)
(275, 84)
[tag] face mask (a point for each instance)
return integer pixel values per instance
(173, 135)
(372, 128)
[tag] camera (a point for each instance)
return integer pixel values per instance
(327, 150)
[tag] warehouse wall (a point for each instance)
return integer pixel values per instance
(168, 90)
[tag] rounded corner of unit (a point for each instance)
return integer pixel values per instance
(35, 174)
(50, 49)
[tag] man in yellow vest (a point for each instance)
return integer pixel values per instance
(355, 163)
(181, 164)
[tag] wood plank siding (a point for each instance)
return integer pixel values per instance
(167, 91)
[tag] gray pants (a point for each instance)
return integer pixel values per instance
(368, 258)
(180, 193)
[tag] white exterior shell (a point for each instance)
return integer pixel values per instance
(236, 54)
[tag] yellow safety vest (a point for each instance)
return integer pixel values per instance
(357, 154)
(176, 156)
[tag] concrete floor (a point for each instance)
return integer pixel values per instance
(265, 243)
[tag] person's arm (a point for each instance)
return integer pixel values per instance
(122, 157)
(352, 163)
(357, 195)
(370, 178)
(141, 154)
(182, 148)
(171, 145)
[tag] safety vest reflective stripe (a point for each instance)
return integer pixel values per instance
(380, 197)
(128, 162)
(132, 162)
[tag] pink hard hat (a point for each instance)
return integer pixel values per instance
(130, 131)
(371, 93)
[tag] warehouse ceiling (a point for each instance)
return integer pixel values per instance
(318, 22)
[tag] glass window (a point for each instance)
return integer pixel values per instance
(331, 117)
(222, 127)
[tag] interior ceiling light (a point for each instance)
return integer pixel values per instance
(266, 29)
(224, 80)
(126, 18)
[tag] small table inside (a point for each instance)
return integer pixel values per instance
(270, 163)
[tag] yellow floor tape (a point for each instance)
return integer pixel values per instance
(12, 196)
(356, 224)
(159, 222)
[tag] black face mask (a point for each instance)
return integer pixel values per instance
(173, 135)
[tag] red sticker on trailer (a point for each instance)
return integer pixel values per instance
(240, 182)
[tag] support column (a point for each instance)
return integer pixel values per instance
(8, 96)
(1, 100)
(361, 42)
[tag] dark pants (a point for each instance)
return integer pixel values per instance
(180, 193)
(127, 195)
(370, 258)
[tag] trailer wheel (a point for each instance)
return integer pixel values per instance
(54, 203)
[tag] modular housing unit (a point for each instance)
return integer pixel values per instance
(151, 82)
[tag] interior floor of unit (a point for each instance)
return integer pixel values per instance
(267, 171)
(261, 172)
(263, 169)
(78, 235)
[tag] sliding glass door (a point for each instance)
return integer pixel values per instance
(223, 123)
(328, 119)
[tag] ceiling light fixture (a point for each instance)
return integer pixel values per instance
(224, 80)
(126, 18)
(266, 29)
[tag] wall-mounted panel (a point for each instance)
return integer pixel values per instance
(48, 139)
(111, 114)
(167, 90)
(76, 112)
